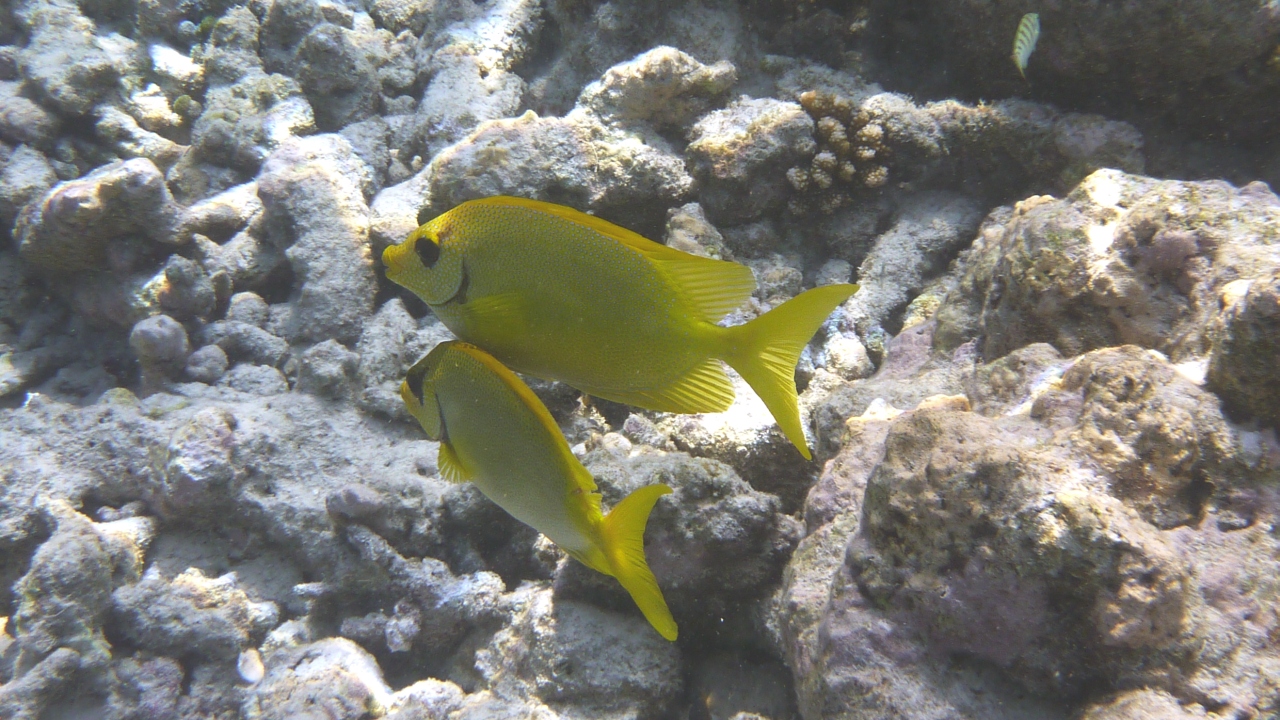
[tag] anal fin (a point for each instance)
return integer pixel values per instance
(704, 388)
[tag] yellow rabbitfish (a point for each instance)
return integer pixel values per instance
(494, 431)
(566, 296)
(1024, 41)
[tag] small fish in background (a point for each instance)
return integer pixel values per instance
(562, 295)
(495, 432)
(1024, 42)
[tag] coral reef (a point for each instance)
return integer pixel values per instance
(191, 614)
(927, 232)
(851, 154)
(907, 574)
(738, 155)
(603, 156)
(1241, 368)
(696, 543)
(1122, 259)
(1047, 477)
(313, 189)
(997, 151)
(74, 225)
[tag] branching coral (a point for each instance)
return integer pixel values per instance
(850, 157)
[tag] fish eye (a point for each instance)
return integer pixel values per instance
(427, 249)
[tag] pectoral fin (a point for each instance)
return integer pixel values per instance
(451, 468)
(502, 313)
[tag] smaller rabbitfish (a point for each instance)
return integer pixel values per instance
(1024, 42)
(495, 432)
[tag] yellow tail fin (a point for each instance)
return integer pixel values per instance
(765, 352)
(623, 534)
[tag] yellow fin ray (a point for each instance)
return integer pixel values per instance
(600, 225)
(767, 349)
(714, 287)
(451, 468)
(705, 388)
(623, 534)
(582, 479)
(504, 312)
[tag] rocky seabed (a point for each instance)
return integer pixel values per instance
(1047, 477)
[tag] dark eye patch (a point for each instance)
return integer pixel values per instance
(417, 380)
(428, 252)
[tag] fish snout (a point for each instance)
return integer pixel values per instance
(394, 255)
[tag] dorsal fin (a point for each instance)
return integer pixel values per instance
(713, 287)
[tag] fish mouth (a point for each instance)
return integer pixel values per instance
(393, 257)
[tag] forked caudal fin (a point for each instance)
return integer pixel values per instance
(765, 352)
(623, 533)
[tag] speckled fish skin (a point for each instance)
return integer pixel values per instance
(494, 431)
(566, 296)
